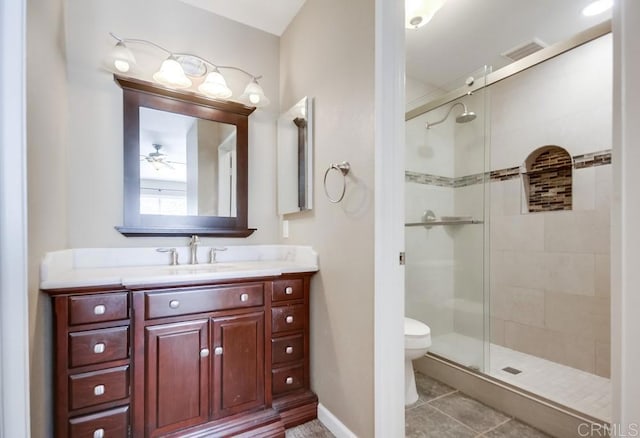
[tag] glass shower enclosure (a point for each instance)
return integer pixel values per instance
(446, 224)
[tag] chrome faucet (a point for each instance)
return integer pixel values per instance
(213, 252)
(193, 244)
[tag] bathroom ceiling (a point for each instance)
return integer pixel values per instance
(465, 35)
(462, 37)
(272, 16)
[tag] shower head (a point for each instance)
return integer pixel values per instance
(465, 117)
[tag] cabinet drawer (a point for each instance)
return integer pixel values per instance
(98, 308)
(183, 302)
(287, 318)
(287, 379)
(98, 387)
(98, 346)
(288, 290)
(287, 349)
(113, 423)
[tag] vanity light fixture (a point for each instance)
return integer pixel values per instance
(176, 69)
(419, 12)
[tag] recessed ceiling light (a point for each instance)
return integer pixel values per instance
(597, 7)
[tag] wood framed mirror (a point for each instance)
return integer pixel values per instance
(185, 163)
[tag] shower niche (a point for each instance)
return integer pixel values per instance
(548, 179)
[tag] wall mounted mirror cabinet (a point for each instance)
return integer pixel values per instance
(185, 163)
(295, 158)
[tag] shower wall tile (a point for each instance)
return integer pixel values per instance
(497, 330)
(518, 233)
(577, 231)
(603, 359)
(603, 275)
(570, 273)
(523, 269)
(586, 317)
(604, 187)
(513, 197)
(525, 306)
(548, 344)
(584, 189)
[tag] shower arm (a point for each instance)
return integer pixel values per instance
(464, 107)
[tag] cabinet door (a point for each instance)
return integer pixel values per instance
(177, 376)
(238, 365)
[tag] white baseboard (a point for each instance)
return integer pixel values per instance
(332, 423)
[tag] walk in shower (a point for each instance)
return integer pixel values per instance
(508, 184)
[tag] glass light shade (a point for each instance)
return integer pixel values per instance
(172, 75)
(122, 57)
(254, 95)
(420, 12)
(597, 7)
(215, 86)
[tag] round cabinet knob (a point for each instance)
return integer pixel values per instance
(98, 390)
(174, 304)
(289, 380)
(288, 350)
(289, 319)
(204, 352)
(99, 309)
(244, 297)
(99, 348)
(288, 290)
(217, 351)
(98, 433)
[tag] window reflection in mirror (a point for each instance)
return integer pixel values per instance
(187, 165)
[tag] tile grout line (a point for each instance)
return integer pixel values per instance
(417, 405)
(495, 427)
(442, 396)
(455, 419)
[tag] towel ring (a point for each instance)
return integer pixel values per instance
(343, 168)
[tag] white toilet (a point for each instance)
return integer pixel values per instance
(417, 340)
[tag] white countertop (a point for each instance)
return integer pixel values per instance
(130, 267)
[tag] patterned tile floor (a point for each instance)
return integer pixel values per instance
(442, 412)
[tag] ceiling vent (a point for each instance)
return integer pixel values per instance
(524, 50)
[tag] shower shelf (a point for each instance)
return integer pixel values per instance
(444, 222)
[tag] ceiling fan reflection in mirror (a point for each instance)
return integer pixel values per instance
(159, 159)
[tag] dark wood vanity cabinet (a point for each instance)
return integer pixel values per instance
(92, 374)
(220, 359)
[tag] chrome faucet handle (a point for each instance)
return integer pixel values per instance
(173, 253)
(193, 243)
(213, 252)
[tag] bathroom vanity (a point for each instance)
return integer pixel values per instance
(219, 349)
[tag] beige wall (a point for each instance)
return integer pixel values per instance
(74, 125)
(95, 113)
(47, 190)
(328, 53)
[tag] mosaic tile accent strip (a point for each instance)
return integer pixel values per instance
(549, 180)
(601, 158)
(505, 174)
(425, 178)
(592, 160)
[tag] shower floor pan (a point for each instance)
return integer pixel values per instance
(576, 389)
